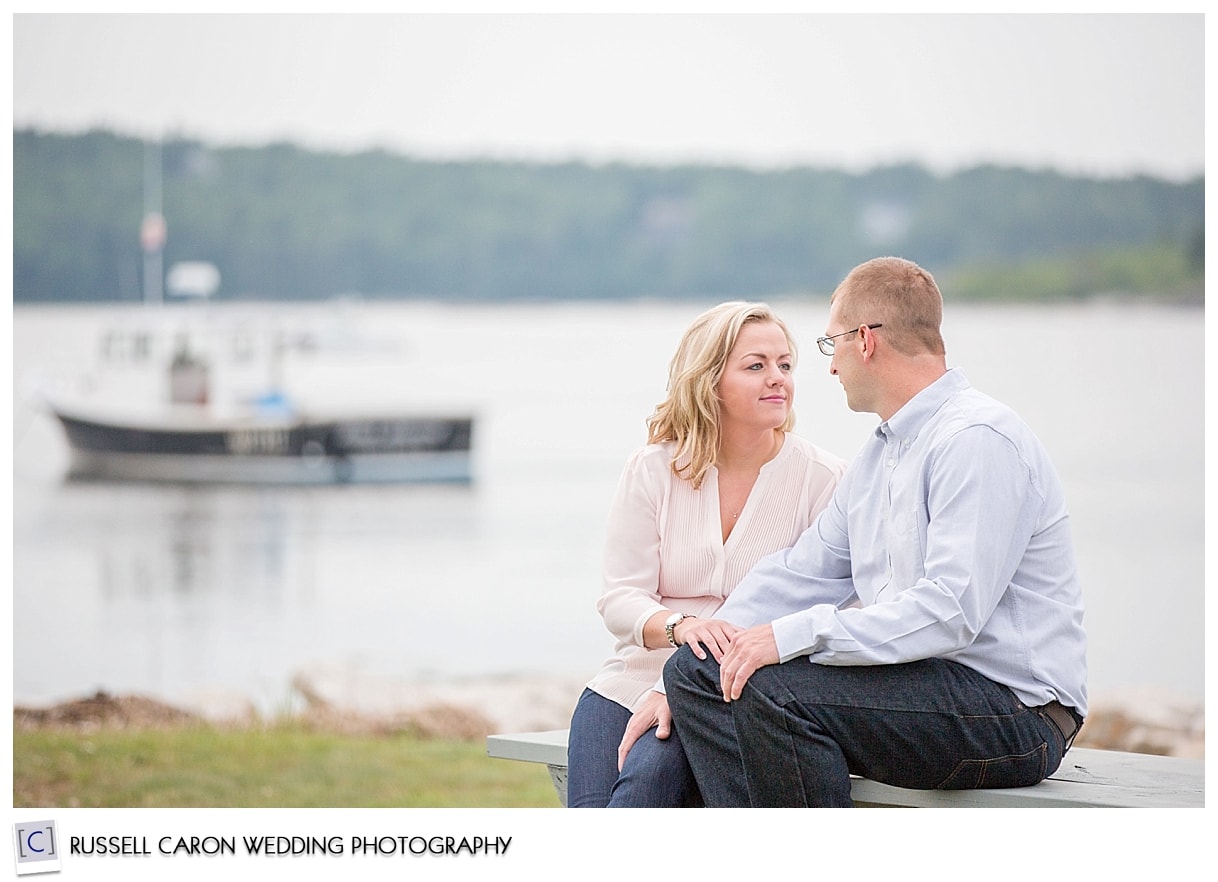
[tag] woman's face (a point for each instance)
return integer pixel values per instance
(757, 388)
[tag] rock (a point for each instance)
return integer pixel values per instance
(506, 703)
(105, 710)
(1141, 723)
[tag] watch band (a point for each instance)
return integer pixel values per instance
(672, 622)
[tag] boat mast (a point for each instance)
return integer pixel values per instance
(152, 229)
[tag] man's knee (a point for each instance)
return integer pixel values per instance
(684, 671)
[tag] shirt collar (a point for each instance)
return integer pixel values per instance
(909, 420)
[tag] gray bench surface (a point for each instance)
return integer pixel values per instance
(1087, 777)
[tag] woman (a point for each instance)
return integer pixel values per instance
(720, 484)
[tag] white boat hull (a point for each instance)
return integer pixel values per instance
(372, 468)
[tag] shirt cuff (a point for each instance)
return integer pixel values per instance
(795, 634)
(641, 622)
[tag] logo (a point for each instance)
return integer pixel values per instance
(36, 847)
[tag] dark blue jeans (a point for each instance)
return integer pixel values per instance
(799, 730)
(655, 775)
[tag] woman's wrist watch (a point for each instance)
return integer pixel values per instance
(671, 622)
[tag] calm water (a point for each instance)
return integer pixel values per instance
(180, 592)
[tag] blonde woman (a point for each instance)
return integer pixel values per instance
(721, 483)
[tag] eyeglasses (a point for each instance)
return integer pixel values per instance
(826, 344)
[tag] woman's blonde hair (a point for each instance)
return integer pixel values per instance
(689, 415)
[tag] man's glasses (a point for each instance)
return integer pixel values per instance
(826, 344)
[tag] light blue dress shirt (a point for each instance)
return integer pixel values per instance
(947, 537)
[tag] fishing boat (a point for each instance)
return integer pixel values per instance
(270, 448)
(191, 394)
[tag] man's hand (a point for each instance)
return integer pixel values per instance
(751, 649)
(652, 712)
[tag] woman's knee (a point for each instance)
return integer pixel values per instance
(596, 730)
(656, 774)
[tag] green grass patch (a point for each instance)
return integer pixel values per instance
(1155, 272)
(273, 767)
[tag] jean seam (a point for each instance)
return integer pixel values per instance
(983, 767)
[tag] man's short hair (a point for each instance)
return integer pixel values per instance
(899, 294)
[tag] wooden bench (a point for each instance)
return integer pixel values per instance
(1087, 777)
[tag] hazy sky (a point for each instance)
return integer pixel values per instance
(1106, 94)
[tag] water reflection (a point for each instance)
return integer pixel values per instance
(175, 590)
(191, 542)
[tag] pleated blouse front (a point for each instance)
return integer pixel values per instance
(664, 547)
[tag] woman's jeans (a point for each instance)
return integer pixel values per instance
(799, 730)
(655, 774)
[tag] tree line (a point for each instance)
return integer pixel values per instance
(281, 222)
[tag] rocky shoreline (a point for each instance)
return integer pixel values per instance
(1146, 724)
(472, 708)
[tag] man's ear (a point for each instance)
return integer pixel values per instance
(867, 342)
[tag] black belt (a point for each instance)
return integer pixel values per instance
(1063, 718)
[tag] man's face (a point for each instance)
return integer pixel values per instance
(846, 363)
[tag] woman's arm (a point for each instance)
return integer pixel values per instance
(630, 601)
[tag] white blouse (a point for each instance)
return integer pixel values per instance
(664, 548)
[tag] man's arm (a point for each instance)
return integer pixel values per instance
(815, 570)
(982, 509)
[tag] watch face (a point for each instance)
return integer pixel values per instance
(674, 619)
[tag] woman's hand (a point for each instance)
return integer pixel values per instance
(705, 634)
(652, 712)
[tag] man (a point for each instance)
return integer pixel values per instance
(926, 630)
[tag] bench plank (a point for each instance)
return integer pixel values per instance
(1086, 777)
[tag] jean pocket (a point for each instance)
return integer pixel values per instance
(1021, 770)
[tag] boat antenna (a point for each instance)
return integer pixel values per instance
(152, 229)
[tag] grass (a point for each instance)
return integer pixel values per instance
(1162, 272)
(281, 766)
